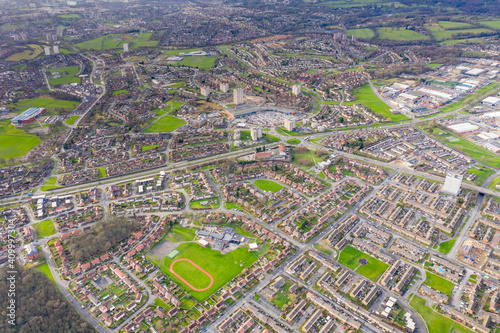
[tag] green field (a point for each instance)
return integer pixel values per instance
(435, 322)
(441, 33)
(230, 205)
(454, 25)
(143, 41)
(268, 185)
(50, 104)
(15, 142)
(223, 268)
(51, 181)
(71, 120)
(197, 204)
(44, 228)
(482, 173)
(67, 75)
(44, 268)
(361, 33)
(368, 98)
(293, 141)
(178, 234)
(270, 138)
(118, 92)
(445, 247)
(107, 42)
(373, 270)
(438, 283)
(309, 155)
(400, 34)
(165, 124)
(495, 24)
(31, 52)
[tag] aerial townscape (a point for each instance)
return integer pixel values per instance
(257, 166)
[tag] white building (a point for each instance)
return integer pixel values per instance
(125, 47)
(452, 184)
(290, 124)
(492, 101)
(47, 50)
(205, 91)
(296, 89)
(224, 87)
(56, 49)
(238, 96)
(256, 133)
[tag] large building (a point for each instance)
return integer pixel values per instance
(224, 87)
(28, 116)
(125, 47)
(256, 133)
(205, 91)
(296, 89)
(452, 184)
(47, 50)
(238, 96)
(56, 49)
(290, 124)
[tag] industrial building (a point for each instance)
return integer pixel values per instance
(28, 116)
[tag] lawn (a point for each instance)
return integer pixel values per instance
(233, 206)
(49, 103)
(44, 268)
(368, 98)
(445, 247)
(495, 24)
(178, 234)
(67, 75)
(400, 34)
(143, 41)
(373, 270)
(165, 124)
(438, 283)
(197, 204)
(349, 257)
(45, 228)
(293, 141)
(51, 181)
(268, 185)
(31, 52)
(436, 323)
(270, 138)
(481, 173)
(190, 61)
(15, 142)
(222, 268)
(442, 33)
(308, 155)
(71, 120)
(361, 33)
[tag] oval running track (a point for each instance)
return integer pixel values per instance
(187, 283)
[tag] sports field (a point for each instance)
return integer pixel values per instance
(368, 98)
(67, 75)
(15, 142)
(165, 124)
(350, 256)
(361, 33)
(268, 185)
(178, 234)
(143, 41)
(400, 34)
(49, 103)
(222, 268)
(438, 283)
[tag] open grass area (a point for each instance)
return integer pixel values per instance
(293, 141)
(49, 103)
(445, 31)
(113, 41)
(395, 33)
(438, 283)
(71, 120)
(495, 24)
(230, 205)
(143, 41)
(44, 268)
(308, 155)
(178, 234)
(436, 323)
(368, 98)
(268, 185)
(270, 138)
(28, 52)
(45, 228)
(350, 256)
(482, 173)
(197, 204)
(445, 247)
(222, 268)
(65, 75)
(14, 142)
(165, 124)
(361, 33)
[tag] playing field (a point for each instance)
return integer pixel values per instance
(143, 41)
(50, 104)
(400, 34)
(222, 268)
(15, 142)
(268, 185)
(165, 124)
(361, 33)
(350, 256)
(178, 234)
(438, 283)
(67, 75)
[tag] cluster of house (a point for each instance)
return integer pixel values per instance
(197, 183)
(55, 205)
(367, 172)
(341, 116)
(16, 179)
(295, 178)
(407, 250)
(15, 216)
(146, 161)
(79, 217)
(398, 276)
(333, 204)
(160, 201)
(253, 319)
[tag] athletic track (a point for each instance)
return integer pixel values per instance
(187, 283)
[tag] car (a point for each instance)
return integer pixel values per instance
(71, 301)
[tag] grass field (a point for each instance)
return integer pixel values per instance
(71, 120)
(361, 33)
(165, 124)
(30, 52)
(368, 98)
(293, 141)
(109, 42)
(222, 268)
(438, 283)
(445, 247)
(67, 75)
(481, 173)
(230, 205)
(453, 25)
(268, 185)
(49, 103)
(178, 234)
(44, 228)
(44, 268)
(435, 322)
(15, 142)
(197, 204)
(309, 155)
(400, 34)
(143, 41)
(349, 257)
(495, 24)
(441, 33)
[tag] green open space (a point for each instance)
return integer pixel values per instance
(442, 32)
(438, 283)
(308, 155)
(114, 41)
(395, 33)
(143, 41)
(45, 269)
(436, 323)
(45, 228)
(494, 183)
(482, 173)
(178, 234)
(361, 33)
(118, 92)
(165, 124)
(445, 247)
(293, 141)
(197, 204)
(495, 24)
(51, 104)
(230, 205)
(71, 120)
(368, 98)
(222, 268)
(67, 75)
(350, 256)
(29, 52)
(14, 142)
(268, 185)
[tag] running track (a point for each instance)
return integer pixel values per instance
(187, 283)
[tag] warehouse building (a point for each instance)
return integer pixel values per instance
(28, 116)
